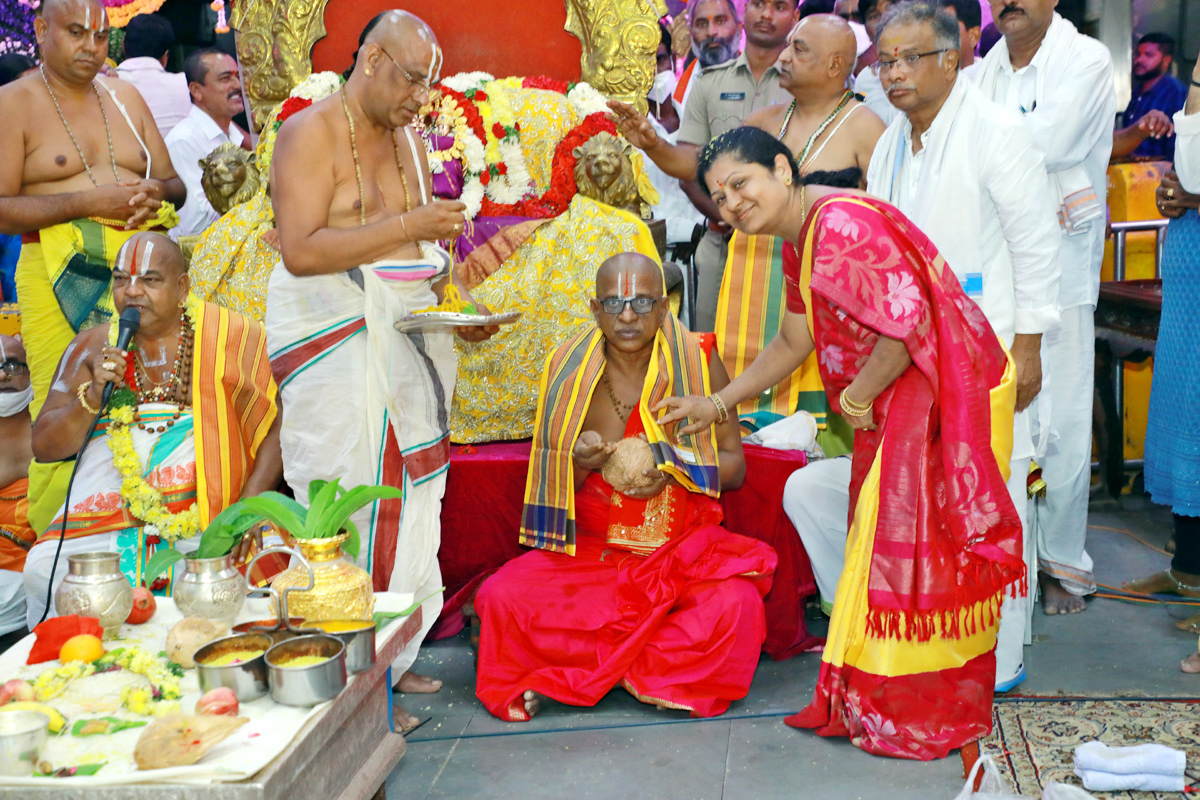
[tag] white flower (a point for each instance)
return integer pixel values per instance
(586, 100)
(831, 358)
(472, 196)
(466, 80)
(903, 295)
(318, 86)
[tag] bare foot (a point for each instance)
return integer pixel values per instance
(533, 702)
(1191, 664)
(1056, 599)
(412, 683)
(1189, 625)
(403, 721)
(1167, 582)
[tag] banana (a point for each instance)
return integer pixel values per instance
(57, 720)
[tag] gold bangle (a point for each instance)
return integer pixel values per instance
(722, 409)
(852, 409)
(81, 392)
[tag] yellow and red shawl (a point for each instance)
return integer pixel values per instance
(908, 669)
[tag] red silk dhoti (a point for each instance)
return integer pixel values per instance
(681, 627)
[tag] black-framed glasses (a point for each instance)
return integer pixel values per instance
(12, 368)
(909, 62)
(640, 304)
(417, 86)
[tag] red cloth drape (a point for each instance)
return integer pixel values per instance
(481, 516)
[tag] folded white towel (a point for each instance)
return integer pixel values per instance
(1143, 782)
(797, 432)
(1142, 759)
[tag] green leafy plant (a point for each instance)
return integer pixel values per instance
(328, 512)
(218, 539)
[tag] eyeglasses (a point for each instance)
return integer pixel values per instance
(420, 87)
(640, 305)
(909, 62)
(12, 368)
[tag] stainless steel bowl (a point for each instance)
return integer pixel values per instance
(359, 640)
(248, 679)
(22, 736)
(307, 686)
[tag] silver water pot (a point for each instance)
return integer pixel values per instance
(211, 588)
(94, 586)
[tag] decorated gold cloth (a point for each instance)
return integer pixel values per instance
(551, 277)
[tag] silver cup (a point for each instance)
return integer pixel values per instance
(307, 686)
(248, 679)
(23, 734)
(94, 586)
(359, 641)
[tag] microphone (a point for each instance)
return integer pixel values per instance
(131, 319)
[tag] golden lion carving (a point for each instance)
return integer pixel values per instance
(230, 177)
(604, 172)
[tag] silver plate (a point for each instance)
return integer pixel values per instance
(448, 320)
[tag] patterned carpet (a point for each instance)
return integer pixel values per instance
(1034, 741)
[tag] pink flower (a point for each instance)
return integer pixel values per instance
(831, 359)
(903, 295)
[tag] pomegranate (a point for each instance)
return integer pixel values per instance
(144, 606)
(220, 701)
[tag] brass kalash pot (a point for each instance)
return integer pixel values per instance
(340, 589)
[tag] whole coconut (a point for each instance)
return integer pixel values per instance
(625, 468)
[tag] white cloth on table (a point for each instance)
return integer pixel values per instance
(166, 93)
(189, 142)
(1146, 768)
(1187, 150)
(797, 432)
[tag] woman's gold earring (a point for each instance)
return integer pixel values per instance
(787, 181)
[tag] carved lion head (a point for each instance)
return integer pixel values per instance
(604, 172)
(230, 177)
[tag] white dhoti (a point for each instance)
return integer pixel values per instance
(1060, 519)
(368, 405)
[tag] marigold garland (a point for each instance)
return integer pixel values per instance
(143, 500)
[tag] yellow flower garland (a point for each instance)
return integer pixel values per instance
(144, 501)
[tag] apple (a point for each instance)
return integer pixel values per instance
(144, 606)
(19, 690)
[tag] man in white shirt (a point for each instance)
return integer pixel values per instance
(968, 173)
(1062, 83)
(216, 88)
(148, 39)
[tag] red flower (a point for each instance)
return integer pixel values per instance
(485, 177)
(542, 82)
(292, 106)
(498, 131)
(502, 168)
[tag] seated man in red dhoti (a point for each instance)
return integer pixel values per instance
(641, 587)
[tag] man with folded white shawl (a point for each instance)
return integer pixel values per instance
(362, 402)
(968, 173)
(1061, 82)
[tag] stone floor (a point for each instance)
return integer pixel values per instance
(622, 748)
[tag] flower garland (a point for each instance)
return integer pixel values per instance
(507, 178)
(450, 111)
(160, 697)
(143, 500)
(562, 174)
(121, 11)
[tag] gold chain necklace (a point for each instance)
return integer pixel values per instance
(362, 202)
(623, 409)
(107, 130)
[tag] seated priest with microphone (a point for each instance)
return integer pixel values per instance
(191, 425)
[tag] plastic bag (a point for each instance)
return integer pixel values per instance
(992, 787)
(1061, 791)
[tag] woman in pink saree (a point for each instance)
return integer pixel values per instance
(934, 540)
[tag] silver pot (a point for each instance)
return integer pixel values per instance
(211, 588)
(94, 586)
(23, 734)
(248, 679)
(306, 686)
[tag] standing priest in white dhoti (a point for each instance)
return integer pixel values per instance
(350, 186)
(968, 173)
(1061, 82)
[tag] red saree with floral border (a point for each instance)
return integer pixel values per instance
(934, 540)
